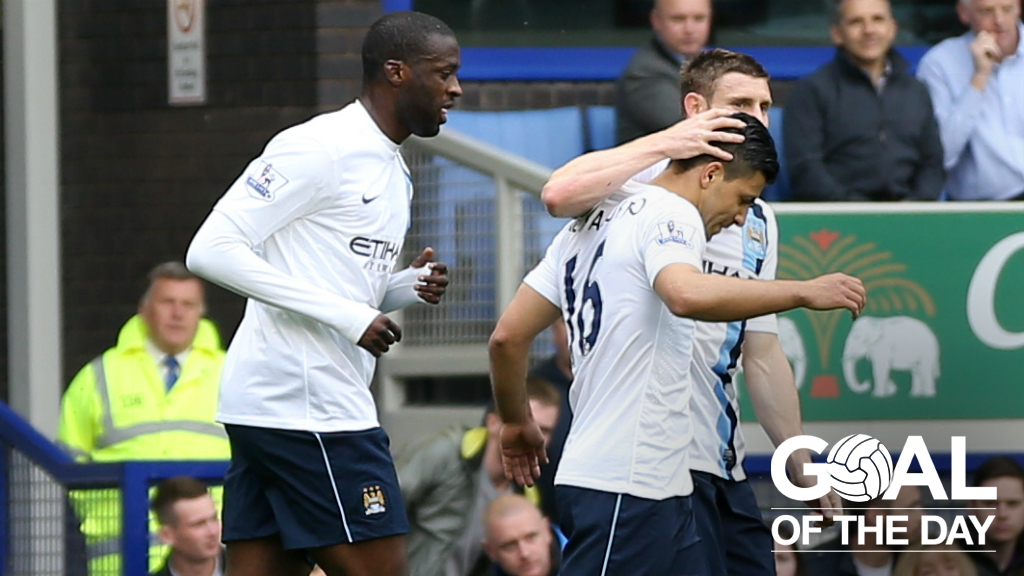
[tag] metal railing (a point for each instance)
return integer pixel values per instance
(452, 169)
(39, 532)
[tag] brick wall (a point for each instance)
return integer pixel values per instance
(139, 175)
(532, 95)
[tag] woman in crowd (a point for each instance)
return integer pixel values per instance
(937, 560)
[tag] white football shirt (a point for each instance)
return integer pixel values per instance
(631, 392)
(326, 204)
(750, 252)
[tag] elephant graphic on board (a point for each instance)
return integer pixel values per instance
(895, 343)
(793, 346)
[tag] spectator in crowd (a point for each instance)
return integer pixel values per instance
(861, 127)
(519, 539)
(557, 370)
(151, 397)
(908, 502)
(647, 93)
(189, 525)
(1006, 534)
(449, 480)
(974, 81)
(787, 561)
(935, 560)
(834, 558)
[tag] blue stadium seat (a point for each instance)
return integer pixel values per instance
(780, 191)
(550, 137)
(600, 127)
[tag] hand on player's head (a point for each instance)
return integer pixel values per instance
(522, 452)
(695, 135)
(380, 335)
(433, 283)
(834, 291)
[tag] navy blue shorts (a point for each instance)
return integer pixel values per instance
(735, 538)
(622, 535)
(314, 489)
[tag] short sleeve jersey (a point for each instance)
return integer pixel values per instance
(327, 202)
(750, 252)
(631, 393)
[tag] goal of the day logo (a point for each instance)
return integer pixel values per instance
(859, 468)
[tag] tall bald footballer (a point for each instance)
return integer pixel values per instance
(627, 279)
(311, 233)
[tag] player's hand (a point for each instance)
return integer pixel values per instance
(433, 284)
(694, 136)
(522, 452)
(986, 53)
(834, 291)
(828, 507)
(381, 334)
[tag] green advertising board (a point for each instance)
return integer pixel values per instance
(942, 335)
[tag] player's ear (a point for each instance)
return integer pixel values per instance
(694, 104)
(711, 172)
(395, 71)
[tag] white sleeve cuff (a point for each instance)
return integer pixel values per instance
(400, 293)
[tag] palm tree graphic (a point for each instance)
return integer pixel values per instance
(889, 291)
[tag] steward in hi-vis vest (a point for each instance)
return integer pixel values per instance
(151, 397)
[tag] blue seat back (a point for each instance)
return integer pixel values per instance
(780, 190)
(600, 127)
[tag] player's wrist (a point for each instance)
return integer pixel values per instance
(980, 79)
(658, 145)
(801, 292)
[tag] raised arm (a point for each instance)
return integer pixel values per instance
(589, 179)
(957, 112)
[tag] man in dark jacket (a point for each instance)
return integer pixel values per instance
(861, 127)
(648, 97)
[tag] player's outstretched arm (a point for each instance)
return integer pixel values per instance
(776, 403)
(589, 179)
(714, 298)
(522, 443)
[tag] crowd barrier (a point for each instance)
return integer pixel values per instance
(37, 527)
(38, 530)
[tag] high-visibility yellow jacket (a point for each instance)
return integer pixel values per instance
(117, 408)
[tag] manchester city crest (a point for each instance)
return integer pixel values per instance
(373, 500)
